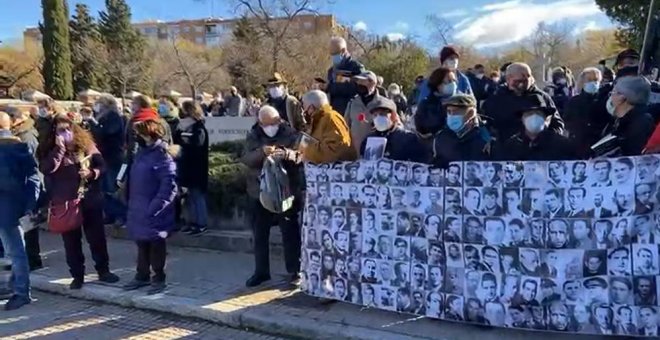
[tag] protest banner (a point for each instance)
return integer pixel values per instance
(567, 246)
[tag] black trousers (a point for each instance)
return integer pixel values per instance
(289, 225)
(151, 256)
(32, 247)
(95, 236)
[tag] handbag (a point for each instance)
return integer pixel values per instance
(67, 216)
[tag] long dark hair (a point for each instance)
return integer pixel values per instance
(82, 139)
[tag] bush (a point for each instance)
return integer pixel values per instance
(234, 148)
(227, 179)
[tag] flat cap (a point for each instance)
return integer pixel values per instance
(595, 282)
(382, 103)
(461, 100)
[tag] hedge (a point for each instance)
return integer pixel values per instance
(227, 179)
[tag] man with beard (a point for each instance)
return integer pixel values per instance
(435, 177)
(435, 203)
(624, 203)
(513, 175)
(473, 174)
(538, 233)
(559, 319)
(369, 196)
(490, 206)
(453, 203)
(420, 175)
(576, 203)
(529, 262)
(558, 234)
(384, 172)
(646, 168)
(645, 291)
(352, 172)
(454, 176)
(643, 204)
(602, 170)
(400, 274)
(369, 271)
(579, 174)
(621, 291)
(418, 277)
(436, 279)
(471, 202)
(474, 232)
(599, 211)
(572, 289)
(619, 262)
(400, 175)
(338, 195)
(418, 307)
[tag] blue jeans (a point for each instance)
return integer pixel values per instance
(12, 240)
(196, 205)
(113, 208)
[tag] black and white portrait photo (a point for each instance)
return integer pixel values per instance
(621, 290)
(351, 172)
(623, 171)
(647, 168)
(514, 175)
(594, 263)
(435, 278)
(619, 262)
(453, 175)
(433, 227)
(535, 175)
(473, 174)
(401, 174)
(401, 248)
(645, 259)
(375, 148)
(558, 234)
(418, 276)
(369, 271)
(384, 168)
(578, 174)
(600, 173)
(434, 304)
(512, 203)
(645, 200)
(558, 176)
(454, 280)
(454, 254)
(454, 308)
(454, 228)
(645, 290)
(436, 255)
(530, 261)
(370, 295)
(434, 202)
(596, 290)
(473, 231)
(420, 175)
(418, 249)
(492, 175)
(401, 274)
(453, 204)
(436, 178)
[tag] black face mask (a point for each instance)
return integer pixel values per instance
(140, 141)
(362, 90)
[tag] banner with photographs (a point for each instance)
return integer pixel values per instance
(567, 246)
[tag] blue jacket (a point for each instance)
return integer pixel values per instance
(463, 86)
(401, 145)
(342, 92)
(19, 180)
(152, 191)
(431, 115)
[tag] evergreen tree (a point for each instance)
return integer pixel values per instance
(85, 51)
(57, 51)
(632, 15)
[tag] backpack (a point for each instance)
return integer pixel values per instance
(276, 194)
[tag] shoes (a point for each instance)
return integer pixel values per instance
(256, 280)
(108, 277)
(186, 229)
(156, 287)
(6, 293)
(197, 231)
(135, 284)
(16, 302)
(77, 283)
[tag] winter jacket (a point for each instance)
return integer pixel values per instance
(401, 104)
(28, 134)
(131, 143)
(19, 180)
(431, 116)
(548, 146)
(254, 157)
(334, 138)
(560, 95)
(503, 111)
(633, 131)
(193, 163)
(449, 147)
(43, 126)
(463, 86)
(235, 105)
(479, 88)
(341, 92)
(172, 123)
(401, 145)
(152, 190)
(108, 134)
(60, 169)
(584, 121)
(290, 110)
(357, 117)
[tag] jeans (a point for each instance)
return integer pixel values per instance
(151, 255)
(95, 235)
(113, 208)
(196, 205)
(12, 241)
(262, 221)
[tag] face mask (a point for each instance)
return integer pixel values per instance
(591, 87)
(480, 75)
(449, 89)
(67, 136)
(140, 141)
(395, 92)
(276, 92)
(97, 108)
(336, 59)
(382, 123)
(611, 108)
(451, 64)
(534, 123)
(561, 81)
(163, 110)
(43, 113)
(271, 130)
(455, 122)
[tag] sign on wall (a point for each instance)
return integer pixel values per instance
(568, 246)
(223, 129)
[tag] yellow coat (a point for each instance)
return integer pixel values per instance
(334, 138)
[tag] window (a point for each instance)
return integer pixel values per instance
(211, 29)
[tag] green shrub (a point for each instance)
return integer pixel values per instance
(234, 148)
(227, 181)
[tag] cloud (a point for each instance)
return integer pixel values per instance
(360, 26)
(513, 21)
(457, 13)
(395, 36)
(401, 26)
(588, 26)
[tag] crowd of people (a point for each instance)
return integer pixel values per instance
(144, 170)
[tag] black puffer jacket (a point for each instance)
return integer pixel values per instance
(193, 164)
(401, 145)
(585, 121)
(548, 146)
(449, 147)
(431, 116)
(633, 131)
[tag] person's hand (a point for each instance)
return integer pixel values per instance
(184, 190)
(162, 234)
(85, 173)
(269, 150)
(59, 141)
(286, 154)
(121, 185)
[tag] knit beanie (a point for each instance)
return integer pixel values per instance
(447, 52)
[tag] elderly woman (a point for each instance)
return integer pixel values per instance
(633, 124)
(583, 117)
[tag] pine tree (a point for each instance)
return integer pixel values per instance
(632, 15)
(57, 51)
(85, 50)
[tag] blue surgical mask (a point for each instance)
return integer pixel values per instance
(591, 87)
(163, 110)
(534, 123)
(336, 59)
(449, 89)
(455, 122)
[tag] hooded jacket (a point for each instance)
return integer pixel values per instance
(152, 190)
(19, 180)
(334, 138)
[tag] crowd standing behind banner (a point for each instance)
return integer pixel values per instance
(128, 163)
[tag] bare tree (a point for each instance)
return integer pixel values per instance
(22, 69)
(545, 45)
(124, 69)
(441, 29)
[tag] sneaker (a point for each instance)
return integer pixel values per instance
(135, 284)
(77, 283)
(197, 231)
(186, 229)
(108, 277)
(16, 302)
(156, 287)
(256, 280)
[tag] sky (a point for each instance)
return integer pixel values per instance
(479, 23)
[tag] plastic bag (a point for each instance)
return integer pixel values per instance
(275, 194)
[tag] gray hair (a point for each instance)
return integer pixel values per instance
(637, 90)
(589, 71)
(267, 111)
(315, 98)
(341, 42)
(107, 101)
(517, 68)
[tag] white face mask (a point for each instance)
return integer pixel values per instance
(451, 64)
(271, 130)
(395, 92)
(276, 92)
(42, 112)
(611, 108)
(97, 108)
(534, 123)
(480, 75)
(382, 123)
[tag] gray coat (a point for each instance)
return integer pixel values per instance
(234, 105)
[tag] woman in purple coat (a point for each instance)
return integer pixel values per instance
(150, 218)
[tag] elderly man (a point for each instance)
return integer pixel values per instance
(287, 105)
(331, 137)
(357, 115)
(272, 137)
(19, 180)
(339, 86)
(505, 106)
(234, 103)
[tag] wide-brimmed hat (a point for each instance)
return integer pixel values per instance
(537, 103)
(276, 79)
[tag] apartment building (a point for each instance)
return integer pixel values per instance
(211, 31)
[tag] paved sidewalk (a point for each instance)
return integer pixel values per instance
(210, 285)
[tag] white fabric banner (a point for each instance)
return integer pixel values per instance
(567, 246)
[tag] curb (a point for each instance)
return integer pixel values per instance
(227, 314)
